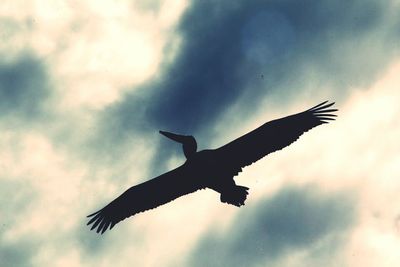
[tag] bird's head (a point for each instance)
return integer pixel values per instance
(188, 142)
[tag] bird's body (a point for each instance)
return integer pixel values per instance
(211, 168)
(208, 171)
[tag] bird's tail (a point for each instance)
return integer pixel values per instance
(235, 195)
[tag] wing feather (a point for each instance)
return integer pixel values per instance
(272, 136)
(142, 197)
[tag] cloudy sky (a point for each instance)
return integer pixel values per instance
(86, 85)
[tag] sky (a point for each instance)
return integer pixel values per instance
(85, 86)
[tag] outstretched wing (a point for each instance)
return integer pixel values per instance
(145, 196)
(272, 136)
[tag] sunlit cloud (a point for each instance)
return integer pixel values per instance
(97, 51)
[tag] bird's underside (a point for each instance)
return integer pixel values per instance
(213, 169)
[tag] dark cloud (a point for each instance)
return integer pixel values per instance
(92, 246)
(95, 248)
(243, 52)
(24, 88)
(15, 198)
(17, 253)
(293, 220)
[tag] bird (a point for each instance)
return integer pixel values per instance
(211, 168)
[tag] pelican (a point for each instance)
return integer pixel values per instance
(211, 168)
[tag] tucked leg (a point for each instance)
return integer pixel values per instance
(235, 195)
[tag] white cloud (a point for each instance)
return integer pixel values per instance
(358, 152)
(96, 51)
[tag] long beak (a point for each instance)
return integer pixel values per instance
(176, 137)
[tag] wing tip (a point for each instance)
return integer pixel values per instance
(323, 112)
(321, 106)
(90, 215)
(100, 223)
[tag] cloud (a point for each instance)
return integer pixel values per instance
(15, 200)
(294, 220)
(212, 76)
(253, 53)
(24, 88)
(86, 41)
(357, 152)
(17, 253)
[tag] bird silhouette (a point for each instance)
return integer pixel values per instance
(211, 168)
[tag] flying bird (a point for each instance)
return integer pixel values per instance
(211, 168)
